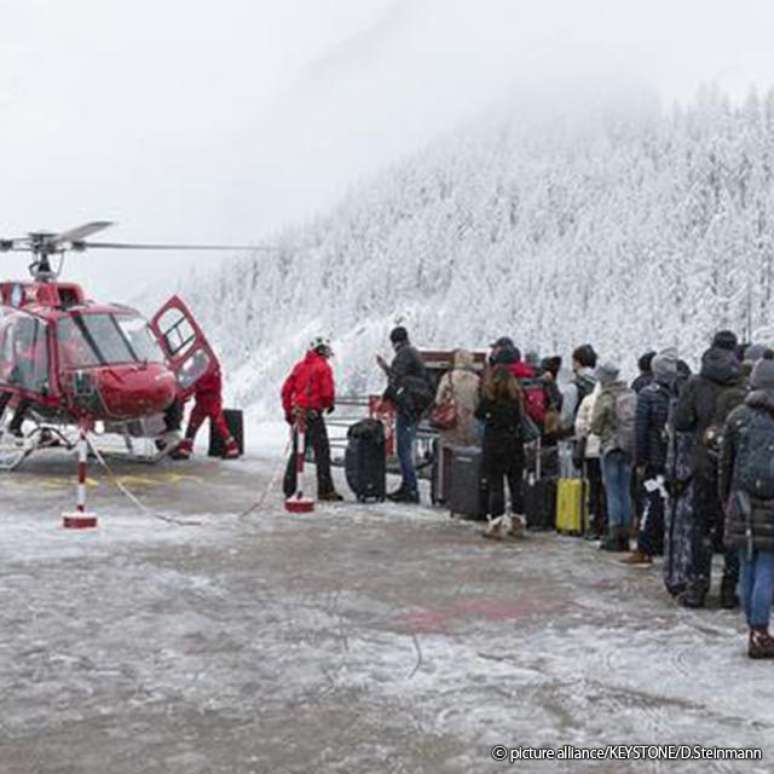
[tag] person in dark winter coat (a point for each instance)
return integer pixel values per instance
(537, 391)
(747, 488)
(308, 393)
(645, 377)
(678, 518)
(719, 380)
(650, 457)
(501, 409)
(410, 389)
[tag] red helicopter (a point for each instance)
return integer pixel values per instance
(69, 364)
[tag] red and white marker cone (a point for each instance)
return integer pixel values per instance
(297, 503)
(81, 519)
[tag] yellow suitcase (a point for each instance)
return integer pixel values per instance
(570, 502)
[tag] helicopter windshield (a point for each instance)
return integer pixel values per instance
(106, 339)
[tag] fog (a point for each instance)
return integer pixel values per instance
(197, 121)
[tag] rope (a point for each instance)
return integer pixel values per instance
(123, 489)
(272, 483)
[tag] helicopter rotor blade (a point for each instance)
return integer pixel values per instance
(132, 246)
(78, 234)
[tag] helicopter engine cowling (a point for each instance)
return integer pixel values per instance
(123, 392)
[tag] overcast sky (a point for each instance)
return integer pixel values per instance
(203, 121)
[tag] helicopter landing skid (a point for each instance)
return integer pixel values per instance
(146, 450)
(15, 449)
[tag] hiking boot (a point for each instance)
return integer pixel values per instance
(184, 450)
(694, 595)
(613, 541)
(232, 450)
(330, 497)
(638, 559)
(403, 496)
(761, 644)
(729, 600)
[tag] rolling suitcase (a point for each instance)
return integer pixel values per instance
(236, 425)
(540, 503)
(570, 506)
(364, 461)
(465, 491)
(540, 496)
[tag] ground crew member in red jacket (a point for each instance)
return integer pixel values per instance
(209, 405)
(307, 394)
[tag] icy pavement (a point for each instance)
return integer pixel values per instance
(356, 639)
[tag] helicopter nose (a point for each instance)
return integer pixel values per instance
(131, 393)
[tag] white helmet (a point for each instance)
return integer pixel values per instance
(321, 345)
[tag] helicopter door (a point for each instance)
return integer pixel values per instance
(188, 351)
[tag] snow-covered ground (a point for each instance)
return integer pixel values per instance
(355, 639)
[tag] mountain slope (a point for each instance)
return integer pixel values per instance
(629, 230)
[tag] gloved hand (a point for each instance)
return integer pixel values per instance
(330, 409)
(289, 418)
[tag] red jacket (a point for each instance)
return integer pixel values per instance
(521, 370)
(210, 382)
(310, 385)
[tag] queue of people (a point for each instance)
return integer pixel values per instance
(676, 464)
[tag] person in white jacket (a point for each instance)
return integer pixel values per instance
(588, 454)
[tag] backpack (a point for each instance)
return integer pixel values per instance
(625, 410)
(754, 465)
(415, 395)
(535, 400)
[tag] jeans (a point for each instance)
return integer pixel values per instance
(757, 586)
(617, 475)
(406, 433)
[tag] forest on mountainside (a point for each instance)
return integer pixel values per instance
(627, 231)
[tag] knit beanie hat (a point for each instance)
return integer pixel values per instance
(665, 363)
(607, 373)
(763, 375)
(725, 340)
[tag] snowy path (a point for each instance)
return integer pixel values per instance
(359, 639)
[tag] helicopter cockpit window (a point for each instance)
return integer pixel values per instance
(24, 355)
(177, 331)
(140, 338)
(102, 339)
